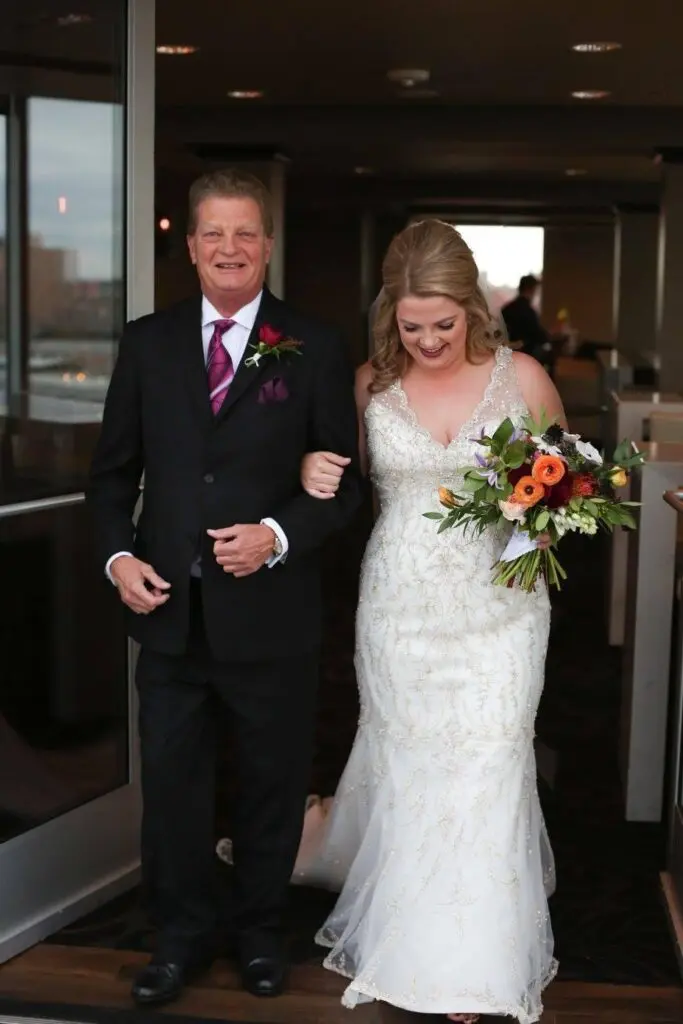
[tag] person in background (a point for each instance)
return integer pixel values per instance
(523, 322)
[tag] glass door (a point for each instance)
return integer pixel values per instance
(76, 210)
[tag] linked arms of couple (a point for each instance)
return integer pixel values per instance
(322, 471)
(240, 550)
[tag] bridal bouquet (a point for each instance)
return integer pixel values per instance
(548, 483)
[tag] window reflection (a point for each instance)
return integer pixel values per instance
(75, 256)
(63, 243)
(63, 686)
(63, 675)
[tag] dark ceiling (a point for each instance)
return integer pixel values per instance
(501, 74)
(478, 51)
(496, 114)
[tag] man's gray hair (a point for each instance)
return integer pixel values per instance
(231, 183)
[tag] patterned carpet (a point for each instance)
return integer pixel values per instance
(608, 915)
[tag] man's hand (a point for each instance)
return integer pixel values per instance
(138, 584)
(243, 549)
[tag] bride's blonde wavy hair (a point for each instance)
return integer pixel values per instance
(428, 258)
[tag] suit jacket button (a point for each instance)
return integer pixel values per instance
(208, 478)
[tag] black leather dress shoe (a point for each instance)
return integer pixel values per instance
(161, 982)
(264, 976)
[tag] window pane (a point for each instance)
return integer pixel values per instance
(75, 262)
(504, 253)
(64, 243)
(63, 686)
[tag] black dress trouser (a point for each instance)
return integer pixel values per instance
(272, 706)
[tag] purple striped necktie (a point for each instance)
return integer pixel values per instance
(219, 367)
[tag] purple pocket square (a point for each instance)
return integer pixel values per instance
(274, 390)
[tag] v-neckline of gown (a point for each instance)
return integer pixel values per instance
(469, 422)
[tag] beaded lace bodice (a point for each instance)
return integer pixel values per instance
(407, 461)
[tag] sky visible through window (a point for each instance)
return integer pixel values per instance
(504, 253)
(75, 185)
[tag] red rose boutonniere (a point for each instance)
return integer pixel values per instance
(272, 342)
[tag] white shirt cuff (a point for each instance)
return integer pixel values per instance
(111, 561)
(282, 537)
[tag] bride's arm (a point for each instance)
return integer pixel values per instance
(321, 472)
(538, 390)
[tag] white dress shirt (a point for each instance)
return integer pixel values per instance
(235, 342)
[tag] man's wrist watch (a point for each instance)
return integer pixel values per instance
(277, 547)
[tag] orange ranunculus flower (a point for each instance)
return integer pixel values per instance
(528, 491)
(447, 498)
(548, 470)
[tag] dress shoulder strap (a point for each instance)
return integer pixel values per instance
(507, 393)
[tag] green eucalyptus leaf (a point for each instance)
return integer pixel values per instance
(542, 520)
(502, 435)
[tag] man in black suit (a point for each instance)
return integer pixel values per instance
(523, 322)
(215, 401)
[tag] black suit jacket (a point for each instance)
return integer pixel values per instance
(523, 324)
(203, 471)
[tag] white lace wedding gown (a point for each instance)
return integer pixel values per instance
(435, 838)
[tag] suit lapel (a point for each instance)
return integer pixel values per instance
(247, 376)
(186, 326)
(187, 329)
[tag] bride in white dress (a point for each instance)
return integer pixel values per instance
(435, 839)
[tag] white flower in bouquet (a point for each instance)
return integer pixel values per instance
(589, 452)
(568, 521)
(545, 447)
(512, 510)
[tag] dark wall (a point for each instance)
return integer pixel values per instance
(322, 270)
(578, 274)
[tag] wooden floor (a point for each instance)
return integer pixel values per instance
(101, 977)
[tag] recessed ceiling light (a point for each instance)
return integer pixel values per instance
(67, 20)
(245, 94)
(409, 77)
(575, 172)
(591, 94)
(176, 51)
(596, 47)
